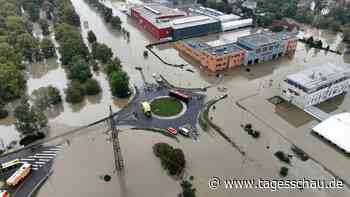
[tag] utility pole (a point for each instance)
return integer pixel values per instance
(118, 158)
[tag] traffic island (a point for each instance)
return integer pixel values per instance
(167, 107)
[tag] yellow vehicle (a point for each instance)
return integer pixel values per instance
(146, 108)
(10, 165)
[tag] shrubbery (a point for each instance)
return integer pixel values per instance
(172, 159)
(282, 156)
(92, 87)
(284, 171)
(74, 92)
(45, 97)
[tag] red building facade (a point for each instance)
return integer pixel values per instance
(155, 19)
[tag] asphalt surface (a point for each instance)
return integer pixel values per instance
(132, 115)
(41, 158)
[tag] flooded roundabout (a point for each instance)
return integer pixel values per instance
(86, 157)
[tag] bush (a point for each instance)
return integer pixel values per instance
(119, 82)
(31, 138)
(74, 92)
(101, 52)
(282, 156)
(187, 189)
(3, 113)
(92, 87)
(172, 159)
(79, 69)
(44, 97)
(113, 66)
(284, 171)
(29, 119)
(91, 37)
(47, 48)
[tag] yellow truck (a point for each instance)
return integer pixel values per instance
(146, 108)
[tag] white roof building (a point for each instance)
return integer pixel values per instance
(336, 129)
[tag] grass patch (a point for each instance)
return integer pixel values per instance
(167, 106)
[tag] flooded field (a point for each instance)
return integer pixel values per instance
(80, 165)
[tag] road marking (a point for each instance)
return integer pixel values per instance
(39, 162)
(49, 151)
(35, 169)
(26, 159)
(46, 154)
(44, 159)
(54, 149)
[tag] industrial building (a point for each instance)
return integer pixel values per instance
(194, 26)
(214, 58)
(167, 23)
(247, 50)
(266, 46)
(335, 129)
(227, 21)
(315, 85)
(155, 18)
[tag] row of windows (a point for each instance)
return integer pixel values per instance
(259, 50)
(304, 89)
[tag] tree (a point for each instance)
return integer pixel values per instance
(70, 16)
(8, 54)
(101, 52)
(28, 47)
(178, 162)
(187, 189)
(91, 37)
(29, 120)
(119, 82)
(346, 33)
(45, 97)
(44, 24)
(79, 69)
(172, 159)
(113, 65)
(284, 171)
(12, 82)
(48, 48)
(107, 14)
(74, 92)
(92, 87)
(3, 112)
(116, 22)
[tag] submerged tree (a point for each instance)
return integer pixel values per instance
(29, 119)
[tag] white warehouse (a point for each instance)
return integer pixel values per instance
(315, 85)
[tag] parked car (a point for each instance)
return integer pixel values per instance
(172, 130)
(184, 131)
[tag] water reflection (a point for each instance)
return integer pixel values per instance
(38, 70)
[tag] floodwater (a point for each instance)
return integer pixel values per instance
(79, 167)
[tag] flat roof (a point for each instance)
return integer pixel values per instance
(155, 12)
(218, 50)
(258, 39)
(336, 129)
(192, 21)
(224, 49)
(319, 75)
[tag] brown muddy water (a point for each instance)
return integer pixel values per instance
(80, 165)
